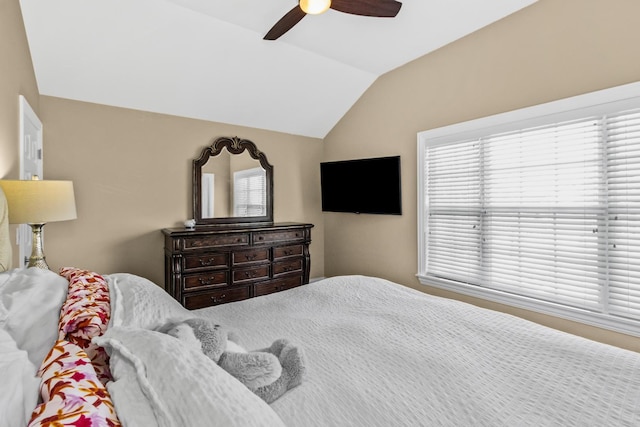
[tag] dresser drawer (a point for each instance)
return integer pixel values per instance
(277, 236)
(219, 296)
(277, 285)
(195, 262)
(247, 257)
(251, 274)
(289, 266)
(209, 279)
(287, 251)
(216, 240)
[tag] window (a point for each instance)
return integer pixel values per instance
(249, 192)
(539, 208)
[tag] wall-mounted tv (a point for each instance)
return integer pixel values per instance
(362, 186)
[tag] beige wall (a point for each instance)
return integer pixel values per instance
(16, 78)
(132, 177)
(551, 50)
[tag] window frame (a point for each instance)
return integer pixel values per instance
(595, 103)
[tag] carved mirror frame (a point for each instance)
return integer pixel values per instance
(234, 145)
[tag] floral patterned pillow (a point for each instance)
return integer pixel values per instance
(71, 392)
(85, 315)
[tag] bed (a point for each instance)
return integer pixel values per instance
(377, 354)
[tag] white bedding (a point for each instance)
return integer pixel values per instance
(30, 301)
(380, 354)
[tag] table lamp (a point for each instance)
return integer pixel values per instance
(37, 202)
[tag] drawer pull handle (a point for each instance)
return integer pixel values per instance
(218, 299)
(288, 252)
(249, 274)
(204, 282)
(206, 262)
(250, 257)
(260, 238)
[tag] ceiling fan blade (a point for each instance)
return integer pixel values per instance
(379, 8)
(285, 23)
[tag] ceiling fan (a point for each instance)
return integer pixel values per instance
(377, 8)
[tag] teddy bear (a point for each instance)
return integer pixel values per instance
(268, 372)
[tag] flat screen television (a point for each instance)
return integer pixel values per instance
(369, 186)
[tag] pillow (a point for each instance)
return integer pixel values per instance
(19, 390)
(71, 392)
(30, 301)
(85, 314)
(165, 370)
(141, 303)
(133, 407)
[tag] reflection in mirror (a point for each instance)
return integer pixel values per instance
(208, 194)
(232, 183)
(249, 192)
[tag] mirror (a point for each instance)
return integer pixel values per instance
(232, 184)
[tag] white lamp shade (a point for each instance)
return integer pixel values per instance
(39, 202)
(315, 7)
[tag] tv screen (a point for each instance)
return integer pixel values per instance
(362, 186)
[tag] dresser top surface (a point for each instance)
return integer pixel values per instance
(181, 231)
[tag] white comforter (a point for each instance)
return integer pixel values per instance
(380, 354)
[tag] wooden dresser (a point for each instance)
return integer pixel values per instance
(218, 264)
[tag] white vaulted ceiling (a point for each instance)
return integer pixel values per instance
(206, 59)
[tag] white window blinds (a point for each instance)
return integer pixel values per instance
(454, 211)
(623, 187)
(249, 190)
(549, 213)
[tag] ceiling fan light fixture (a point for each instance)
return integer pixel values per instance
(315, 7)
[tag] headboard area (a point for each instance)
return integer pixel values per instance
(5, 243)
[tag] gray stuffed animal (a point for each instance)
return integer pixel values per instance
(269, 372)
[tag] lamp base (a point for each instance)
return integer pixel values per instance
(37, 258)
